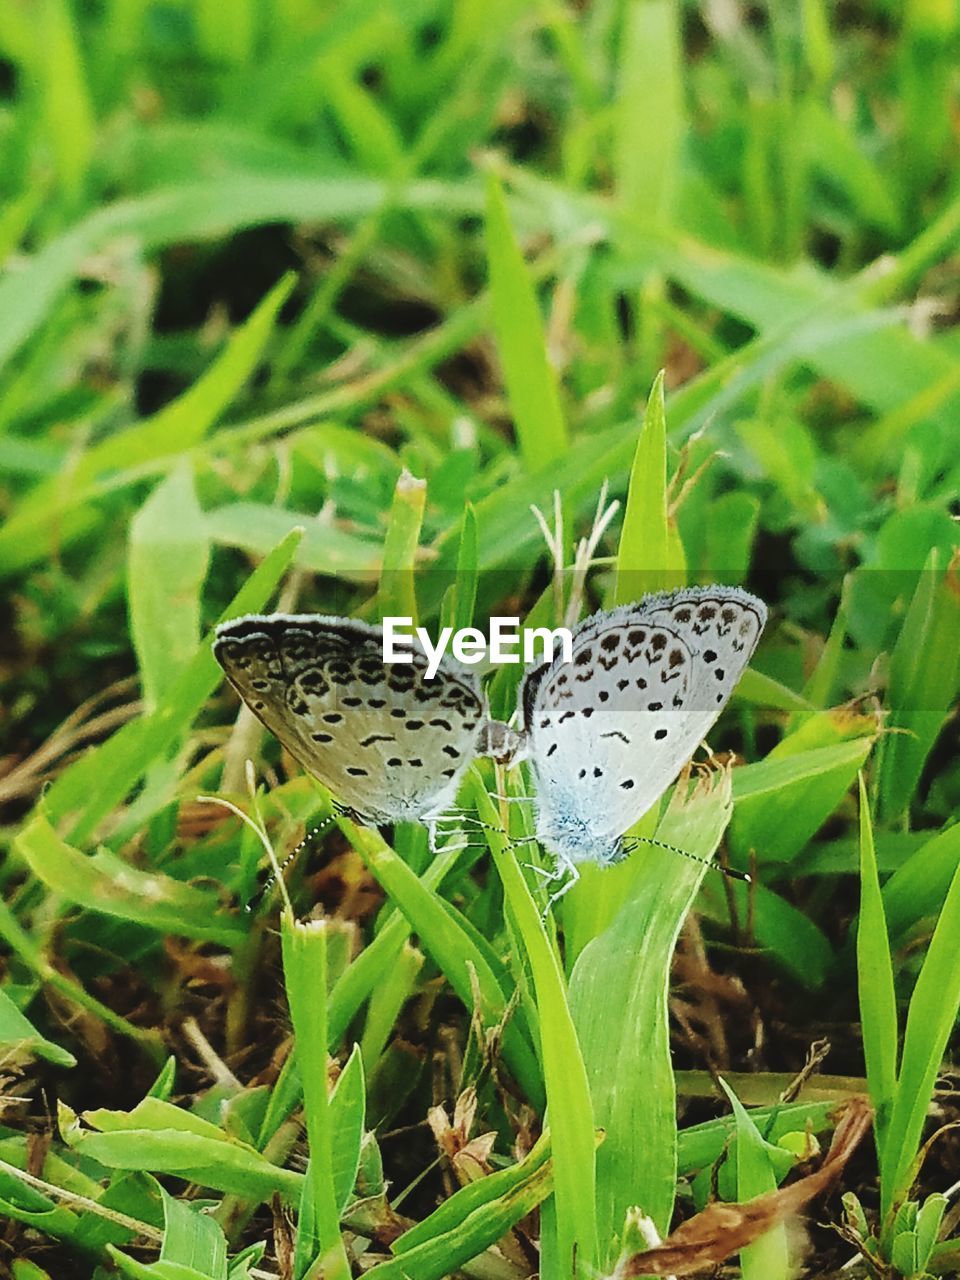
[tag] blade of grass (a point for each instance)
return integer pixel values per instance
(768, 1258)
(930, 1022)
(924, 678)
(650, 556)
(470, 1221)
(105, 882)
(167, 560)
(530, 379)
(30, 954)
(569, 1105)
(618, 997)
(19, 1038)
(58, 64)
(460, 598)
(878, 1001)
(347, 1114)
(305, 975)
(649, 111)
(397, 594)
(27, 534)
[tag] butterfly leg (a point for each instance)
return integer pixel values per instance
(573, 876)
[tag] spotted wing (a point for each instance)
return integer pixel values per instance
(609, 731)
(389, 744)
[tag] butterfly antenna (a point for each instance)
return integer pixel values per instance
(253, 903)
(732, 872)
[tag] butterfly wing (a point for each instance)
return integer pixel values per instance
(389, 743)
(610, 730)
(721, 625)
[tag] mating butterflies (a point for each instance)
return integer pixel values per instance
(605, 734)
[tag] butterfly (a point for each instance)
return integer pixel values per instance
(390, 744)
(607, 732)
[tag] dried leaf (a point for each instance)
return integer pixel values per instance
(706, 1239)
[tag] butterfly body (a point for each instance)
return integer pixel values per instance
(607, 732)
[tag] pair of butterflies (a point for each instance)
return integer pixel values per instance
(605, 733)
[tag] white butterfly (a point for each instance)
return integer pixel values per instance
(608, 732)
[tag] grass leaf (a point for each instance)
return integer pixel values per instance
(569, 1106)
(878, 1003)
(320, 1252)
(167, 560)
(618, 1001)
(930, 1021)
(530, 379)
(650, 557)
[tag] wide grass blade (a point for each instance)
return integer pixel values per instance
(783, 800)
(162, 1138)
(105, 882)
(649, 108)
(167, 558)
(530, 379)
(618, 998)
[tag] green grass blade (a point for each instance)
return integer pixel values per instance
(782, 801)
(650, 556)
(930, 1022)
(20, 1039)
(305, 976)
(162, 1138)
(397, 595)
(472, 1220)
(530, 379)
(460, 598)
(105, 882)
(347, 1114)
(191, 1238)
(569, 1105)
(58, 64)
(255, 528)
(167, 560)
(924, 678)
(386, 1000)
(768, 1257)
(878, 1002)
(649, 109)
(618, 997)
(918, 888)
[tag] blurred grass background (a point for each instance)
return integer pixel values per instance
(261, 261)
